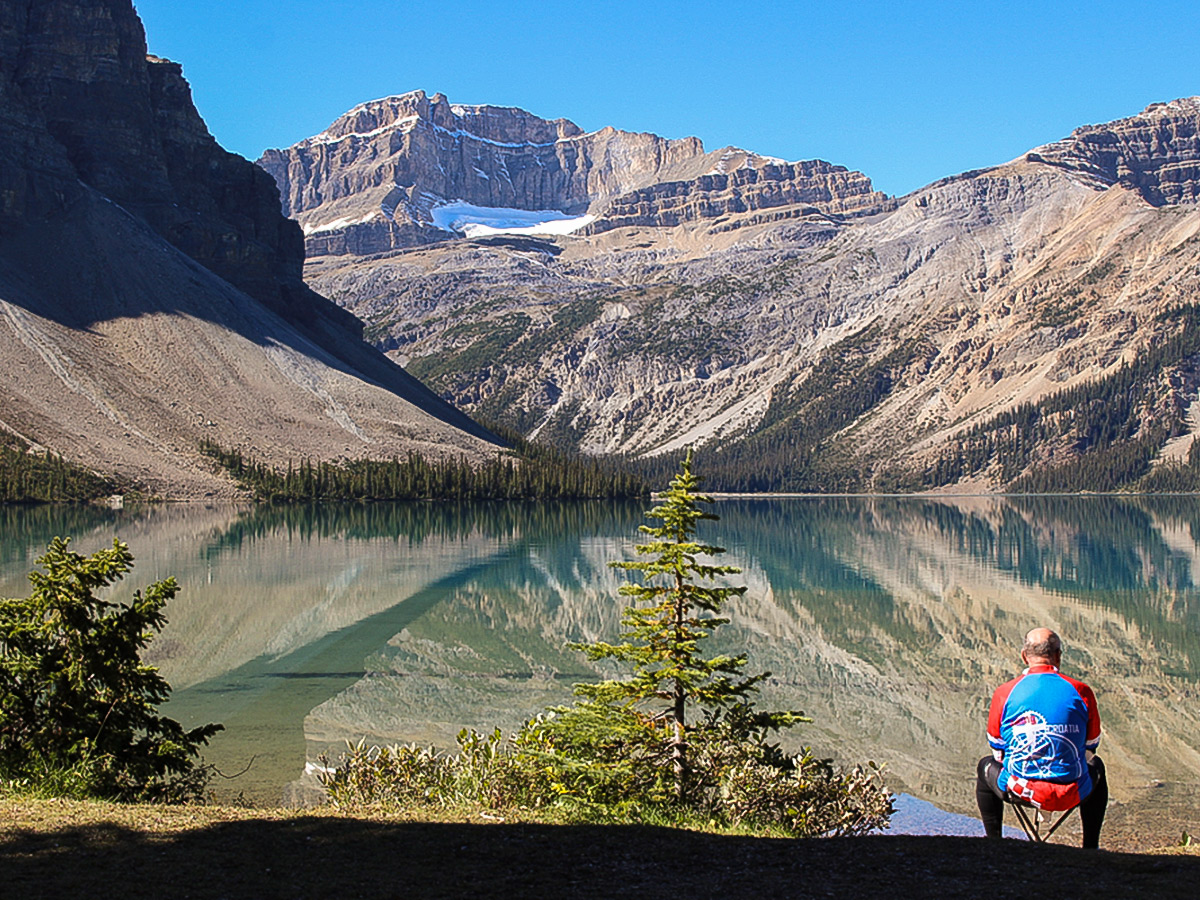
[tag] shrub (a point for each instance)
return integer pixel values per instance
(486, 771)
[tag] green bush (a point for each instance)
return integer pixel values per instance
(616, 765)
(807, 797)
(486, 771)
(78, 708)
(749, 786)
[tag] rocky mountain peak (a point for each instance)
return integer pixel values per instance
(374, 180)
(746, 304)
(506, 125)
(1156, 153)
(1187, 106)
(509, 125)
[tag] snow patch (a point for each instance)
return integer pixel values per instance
(460, 134)
(326, 138)
(722, 163)
(336, 224)
(750, 160)
(479, 221)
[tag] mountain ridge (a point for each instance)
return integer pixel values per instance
(926, 316)
(1130, 151)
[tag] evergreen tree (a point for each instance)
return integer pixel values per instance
(673, 611)
(676, 730)
(77, 705)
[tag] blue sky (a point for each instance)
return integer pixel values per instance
(905, 92)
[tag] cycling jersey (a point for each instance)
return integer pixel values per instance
(1044, 723)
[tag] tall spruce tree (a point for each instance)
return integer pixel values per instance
(674, 610)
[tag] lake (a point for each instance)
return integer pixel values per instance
(887, 620)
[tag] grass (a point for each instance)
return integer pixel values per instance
(58, 848)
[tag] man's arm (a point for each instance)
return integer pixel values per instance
(1092, 742)
(996, 718)
(1093, 731)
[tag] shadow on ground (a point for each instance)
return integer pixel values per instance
(322, 857)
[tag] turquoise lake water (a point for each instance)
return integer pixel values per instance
(887, 620)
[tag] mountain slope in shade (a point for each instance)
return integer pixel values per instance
(823, 350)
(150, 290)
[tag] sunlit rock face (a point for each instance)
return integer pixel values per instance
(1156, 153)
(689, 307)
(374, 180)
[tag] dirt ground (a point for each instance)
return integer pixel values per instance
(66, 849)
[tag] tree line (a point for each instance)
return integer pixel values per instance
(535, 472)
(539, 474)
(1109, 429)
(29, 476)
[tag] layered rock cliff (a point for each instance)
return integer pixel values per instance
(151, 292)
(371, 181)
(123, 123)
(752, 183)
(1156, 153)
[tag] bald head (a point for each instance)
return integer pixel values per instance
(1042, 648)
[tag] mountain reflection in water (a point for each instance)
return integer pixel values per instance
(888, 620)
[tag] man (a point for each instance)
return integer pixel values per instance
(1043, 729)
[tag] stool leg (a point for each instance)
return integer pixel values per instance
(1059, 821)
(1028, 825)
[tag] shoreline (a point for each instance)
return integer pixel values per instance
(119, 501)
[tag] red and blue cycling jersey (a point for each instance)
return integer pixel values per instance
(1045, 724)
